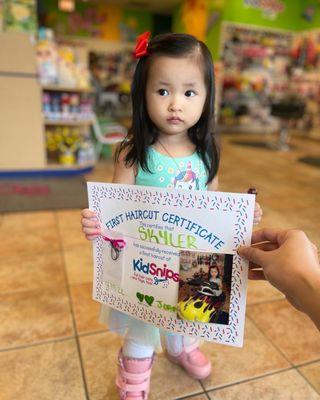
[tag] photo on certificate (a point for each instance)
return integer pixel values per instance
(204, 287)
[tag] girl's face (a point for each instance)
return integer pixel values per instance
(175, 94)
(213, 272)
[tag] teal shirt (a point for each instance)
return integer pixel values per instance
(178, 173)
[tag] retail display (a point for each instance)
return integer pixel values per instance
(305, 79)
(256, 62)
(69, 145)
(66, 105)
(68, 118)
(59, 64)
(112, 73)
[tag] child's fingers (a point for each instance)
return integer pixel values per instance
(90, 223)
(91, 237)
(86, 213)
(91, 231)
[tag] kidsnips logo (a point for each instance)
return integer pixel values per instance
(153, 269)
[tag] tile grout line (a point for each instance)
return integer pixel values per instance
(295, 367)
(303, 364)
(255, 378)
(270, 341)
(189, 396)
(306, 380)
(36, 344)
(84, 381)
(204, 389)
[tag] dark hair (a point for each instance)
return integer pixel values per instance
(143, 132)
(209, 271)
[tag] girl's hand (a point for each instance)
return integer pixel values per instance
(90, 224)
(257, 214)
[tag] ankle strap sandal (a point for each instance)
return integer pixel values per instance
(134, 385)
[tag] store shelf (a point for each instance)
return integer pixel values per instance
(57, 88)
(49, 170)
(66, 122)
(57, 166)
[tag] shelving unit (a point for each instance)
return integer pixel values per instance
(66, 122)
(255, 69)
(65, 125)
(21, 139)
(58, 88)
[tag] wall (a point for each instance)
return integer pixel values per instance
(101, 20)
(310, 14)
(292, 15)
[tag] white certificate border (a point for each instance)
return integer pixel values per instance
(232, 333)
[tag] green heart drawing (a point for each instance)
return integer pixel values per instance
(140, 296)
(149, 299)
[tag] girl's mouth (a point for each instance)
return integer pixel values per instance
(174, 120)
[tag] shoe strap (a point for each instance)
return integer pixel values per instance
(138, 376)
(132, 387)
(124, 376)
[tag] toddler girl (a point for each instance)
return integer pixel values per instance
(171, 144)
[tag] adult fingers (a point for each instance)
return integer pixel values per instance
(252, 254)
(267, 235)
(266, 246)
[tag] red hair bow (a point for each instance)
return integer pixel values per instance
(142, 45)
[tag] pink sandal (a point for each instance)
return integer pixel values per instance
(193, 361)
(133, 378)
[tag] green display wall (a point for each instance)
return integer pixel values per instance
(282, 14)
(290, 15)
(100, 19)
(310, 14)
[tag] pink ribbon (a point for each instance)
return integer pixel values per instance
(118, 244)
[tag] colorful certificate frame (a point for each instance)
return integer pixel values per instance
(203, 225)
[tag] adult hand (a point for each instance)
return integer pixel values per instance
(289, 261)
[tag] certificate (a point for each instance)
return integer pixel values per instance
(168, 257)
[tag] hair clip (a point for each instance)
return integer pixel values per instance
(141, 48)
(116, 246)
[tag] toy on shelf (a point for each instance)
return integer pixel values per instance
(67, 106)
(58, 64)
(66, 67)
(69, 145)
(47, 58)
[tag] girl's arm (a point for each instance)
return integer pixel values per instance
(213, 185)
(122, 174)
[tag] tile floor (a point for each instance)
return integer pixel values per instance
(52, 347)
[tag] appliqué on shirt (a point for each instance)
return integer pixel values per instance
(186, 179)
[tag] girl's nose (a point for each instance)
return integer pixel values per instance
(175, 105)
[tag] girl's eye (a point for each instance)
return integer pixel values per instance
(163, 92)
(190, 93)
